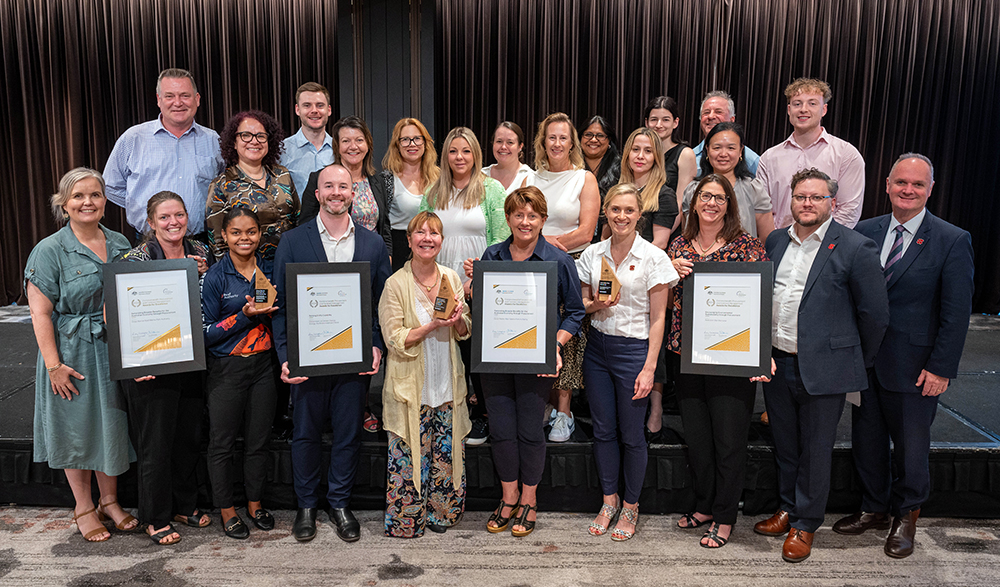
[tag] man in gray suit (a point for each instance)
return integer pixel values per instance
(830, 312)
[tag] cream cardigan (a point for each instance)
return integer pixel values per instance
(404, 374)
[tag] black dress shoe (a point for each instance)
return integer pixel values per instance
(899, 543)
(437, 528)
(235, 528)
(262, 519)
(304, 528)
(346, 524)
(860, 522)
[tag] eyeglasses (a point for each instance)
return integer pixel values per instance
(708, 197)
(407, 141)
(247, 136)
(594, 135)
(810, 199)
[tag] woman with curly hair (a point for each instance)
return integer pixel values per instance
(251, 147)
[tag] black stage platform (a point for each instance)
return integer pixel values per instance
(965, 458)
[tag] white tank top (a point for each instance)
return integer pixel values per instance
(562, 196)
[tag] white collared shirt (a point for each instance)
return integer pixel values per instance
(789, 285)
(911, 227)
(644, 267)
(338, 250)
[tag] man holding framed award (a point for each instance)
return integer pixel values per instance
(332, 237)
(830, 311)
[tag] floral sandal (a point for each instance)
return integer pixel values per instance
(609, 512)
(631, 516)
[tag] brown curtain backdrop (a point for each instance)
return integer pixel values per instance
(78, 73)
(907, 75)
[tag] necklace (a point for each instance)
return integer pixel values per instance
(705, 250)
(247, 173)
(424, 285)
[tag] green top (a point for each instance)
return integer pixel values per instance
(91, 431)
(492, 207)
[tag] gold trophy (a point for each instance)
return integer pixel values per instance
(264, 292)
(608, 286)
(444, 303)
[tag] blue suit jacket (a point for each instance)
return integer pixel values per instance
(302, 245)
(843, 313)
(930, 300)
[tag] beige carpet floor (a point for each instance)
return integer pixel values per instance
(40, 546)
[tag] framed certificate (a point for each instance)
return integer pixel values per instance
(726, 325)
(328, 309)
(515, 312)
(153, 312)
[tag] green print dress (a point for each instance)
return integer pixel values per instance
(91, 430)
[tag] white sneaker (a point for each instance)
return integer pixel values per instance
(562, 428)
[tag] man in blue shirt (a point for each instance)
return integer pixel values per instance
(310, 149)
(172, 153)
(718, 107)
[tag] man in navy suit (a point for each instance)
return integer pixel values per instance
(928, 272)
(339, 400)
(830, 312)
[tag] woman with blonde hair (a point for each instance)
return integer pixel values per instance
(574, 203)
(642, 165)
(410, 166)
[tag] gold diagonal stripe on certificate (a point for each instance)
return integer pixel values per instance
(171, 339)
(525, 340)
(341, 340)
(739, 342)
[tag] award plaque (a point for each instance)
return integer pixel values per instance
(608, 286)
(153, 313)
(264, 292)
(329, 316)
(515, 310)
(444, 303)
(726, 323)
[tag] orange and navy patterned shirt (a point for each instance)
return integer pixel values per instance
(228, 331)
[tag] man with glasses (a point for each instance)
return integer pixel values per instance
(310, 149)
(928, 270)
(829, 313)
(171, 153)
(810, 145)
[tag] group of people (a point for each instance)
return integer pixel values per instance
(882, 310)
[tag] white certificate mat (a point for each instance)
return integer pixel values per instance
(153, 314)
(513, 324)
(329, 320)
(726, 313)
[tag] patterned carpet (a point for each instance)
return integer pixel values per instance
(40, 546)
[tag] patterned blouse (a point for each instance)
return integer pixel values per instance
(365, 210)
(276, 204)
(742, 248)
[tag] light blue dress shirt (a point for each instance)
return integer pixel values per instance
(301, 158)
(148, 159)
(752, 158)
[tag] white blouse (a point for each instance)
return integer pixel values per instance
(562, 196)
(405, 205)
(644, 267)
(437, 356)
(464, 234)
(523, 173)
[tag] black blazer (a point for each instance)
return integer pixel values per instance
(383, 198)
(302, 245)
(843, 313)
(930, 301)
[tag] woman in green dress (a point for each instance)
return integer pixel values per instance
(79, 426)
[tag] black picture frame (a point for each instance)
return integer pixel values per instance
(292, 312)
(551, 270)
(113, 317)
(765, 269)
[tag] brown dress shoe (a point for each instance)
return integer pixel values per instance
(860, 522)
(899, 544)
(776, 525)
(797, 546)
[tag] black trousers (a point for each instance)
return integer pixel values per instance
(241, 392)
(164, 423)
(715, 412)
(516, 404)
